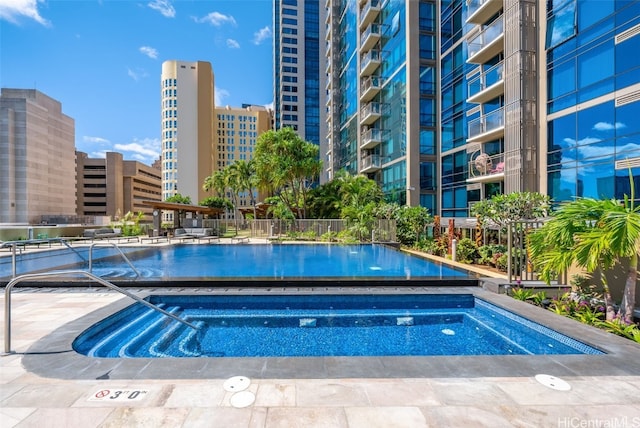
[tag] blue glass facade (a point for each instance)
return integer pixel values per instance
(297, 67)
(593, 70)
(453, 118)
(312, 71)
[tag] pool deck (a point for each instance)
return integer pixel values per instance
(298, 392)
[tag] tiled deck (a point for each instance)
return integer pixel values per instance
(348, 392)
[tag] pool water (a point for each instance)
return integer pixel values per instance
(204, 262)
(321, 325)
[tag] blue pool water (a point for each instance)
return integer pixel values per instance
(321, 325)
(245, 261)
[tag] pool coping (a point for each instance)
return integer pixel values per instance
(53, 357)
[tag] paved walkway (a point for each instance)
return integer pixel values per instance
(28, 400)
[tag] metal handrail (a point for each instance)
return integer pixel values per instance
(14, 245)
(14, 281)
(110, 244)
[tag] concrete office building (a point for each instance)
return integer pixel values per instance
(300, 69)
(37, 157)
(237, 132)
(187, 90)
(111, 187)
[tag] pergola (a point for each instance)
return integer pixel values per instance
(175, 207)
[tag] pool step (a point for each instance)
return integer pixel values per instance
(128, 331)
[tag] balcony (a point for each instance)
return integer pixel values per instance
(486, 128)
(369, 62)
(370, 163)
(487, 44)
(369, 88)
(486, 169)
(488, 85)
(369, 12)
(370, 138)
(479, 11)
(370, 37)
(369, 113)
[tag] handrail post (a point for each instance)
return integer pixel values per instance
(13, 259)
(111, 244)
(16, 280)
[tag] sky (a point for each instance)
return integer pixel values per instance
(102, 60)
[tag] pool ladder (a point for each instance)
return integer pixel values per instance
(16, 280)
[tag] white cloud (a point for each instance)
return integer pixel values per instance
(220, 96)
(233, 44)
(269, 106)
(145, 150)
(149, 51)
(98, 140)
(100, 154)
(606, 126)
(137, 74)
(164, 7)
(584, 141)
(261, 35)
(216, 19)
(10, 10)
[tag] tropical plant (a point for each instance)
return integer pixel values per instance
(621, 328)
(466, 251)
(324, 200)
(216, 202)
(523, 294)
(130, 224)
(243, 175)
(594, 235)
(486, 253)
(179, 199)
(287, 166)
(502, 209)
(216, 182)
(359, 196)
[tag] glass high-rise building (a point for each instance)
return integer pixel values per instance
(299, 68)
(592, 89)
(447, 103)
(382, 66)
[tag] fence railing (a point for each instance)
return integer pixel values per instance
(320, 229)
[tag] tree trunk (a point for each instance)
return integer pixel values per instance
(629, 296)
(608, 301)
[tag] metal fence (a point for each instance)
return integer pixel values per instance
(519, 266)
(305, 229)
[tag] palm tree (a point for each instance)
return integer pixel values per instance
(215, 182)
(593, 234)
(244, 173)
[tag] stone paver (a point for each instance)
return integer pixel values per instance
(30, 400)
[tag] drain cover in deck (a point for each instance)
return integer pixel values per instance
(242, 399)
(553, 382)
(236, 383)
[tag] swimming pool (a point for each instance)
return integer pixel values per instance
(295, 262)
(321, 325)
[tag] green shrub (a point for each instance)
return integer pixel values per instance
(429, 246)
(466, 251)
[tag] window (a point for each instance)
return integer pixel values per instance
(562, 23)
(562, 79)
(596, 64)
